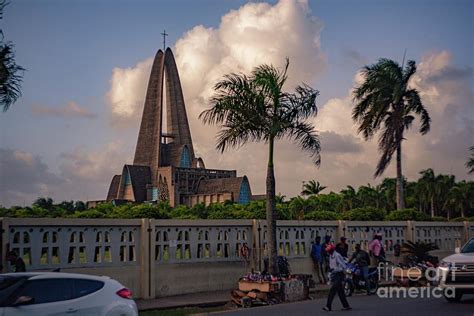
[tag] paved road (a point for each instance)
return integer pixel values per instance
(367, 306)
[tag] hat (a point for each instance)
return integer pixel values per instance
(343, 238)
(330, 247)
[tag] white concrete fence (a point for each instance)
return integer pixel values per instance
(158, 258)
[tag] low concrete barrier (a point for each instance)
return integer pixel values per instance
(157, 258)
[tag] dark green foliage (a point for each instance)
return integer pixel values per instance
(365, 214)
(419, 249)
(322, 216)
(407, 215)
(10, 77)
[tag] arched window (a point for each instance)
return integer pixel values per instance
(244, 197)
(185, 158)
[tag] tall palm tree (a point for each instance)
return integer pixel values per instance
(10, 78)
(427, 188)
(255, 108)
(312, 188)
(470, 162)
(385, 103)
(444, 183)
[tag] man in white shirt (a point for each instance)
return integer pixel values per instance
(337, 265)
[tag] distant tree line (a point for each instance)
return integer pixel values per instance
(432, 197)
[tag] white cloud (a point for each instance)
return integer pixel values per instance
(127, 93)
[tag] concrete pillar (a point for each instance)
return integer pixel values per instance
(466, 232)
(145, 259)
(410, 233)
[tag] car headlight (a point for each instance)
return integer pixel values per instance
(445, 264)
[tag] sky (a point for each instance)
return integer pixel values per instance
(87, 66)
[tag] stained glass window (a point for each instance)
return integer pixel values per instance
(244, 197)
(185, 158)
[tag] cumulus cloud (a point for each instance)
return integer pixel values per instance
(70, 110)
(254, 34)
(127, 93)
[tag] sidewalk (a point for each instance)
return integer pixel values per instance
(214, 298)
(197, 299)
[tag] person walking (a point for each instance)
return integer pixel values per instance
(337, 266)
(316, 255)
(362, 259)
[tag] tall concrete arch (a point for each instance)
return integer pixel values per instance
(151, 150)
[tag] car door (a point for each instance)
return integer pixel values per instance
(50, 297)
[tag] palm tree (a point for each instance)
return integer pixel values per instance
(460, 197)
(299, 207)
(254, 108)
(385, 103)
(349, 198)
(10, 79)
(444, 183)
(388, 187)
(312, 188)
(419, 249)
(470, 162)
(427, 188)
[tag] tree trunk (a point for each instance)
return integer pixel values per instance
(399, 189)
(271, 213)
(432, 207)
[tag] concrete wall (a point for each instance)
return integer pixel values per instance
(156, 258)
(182, 278)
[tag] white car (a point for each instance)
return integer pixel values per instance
(55, 293)
(457, 272)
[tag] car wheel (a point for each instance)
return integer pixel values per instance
(457, 297)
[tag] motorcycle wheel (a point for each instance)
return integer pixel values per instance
(348, 288)
(374, 284)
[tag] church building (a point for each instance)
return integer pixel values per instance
(165, 167)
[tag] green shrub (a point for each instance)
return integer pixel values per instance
(408, 214)
(91, 213)
(322, 216)
(459, 219)
(439, 219)
(365, 214)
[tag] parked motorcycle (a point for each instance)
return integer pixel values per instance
(355, 281)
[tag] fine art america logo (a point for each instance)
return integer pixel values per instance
(413, 275)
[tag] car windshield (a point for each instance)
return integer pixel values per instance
(8, 284)
(469, 247)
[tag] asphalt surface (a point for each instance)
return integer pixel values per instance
(367, 306)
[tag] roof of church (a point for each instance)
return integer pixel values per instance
(213, 186)
(140, 176)
(114, 187)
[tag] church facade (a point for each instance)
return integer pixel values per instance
(165, 167)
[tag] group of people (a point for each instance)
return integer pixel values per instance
(331, 260)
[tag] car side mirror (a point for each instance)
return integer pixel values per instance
(23, 300)
(457, 250)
